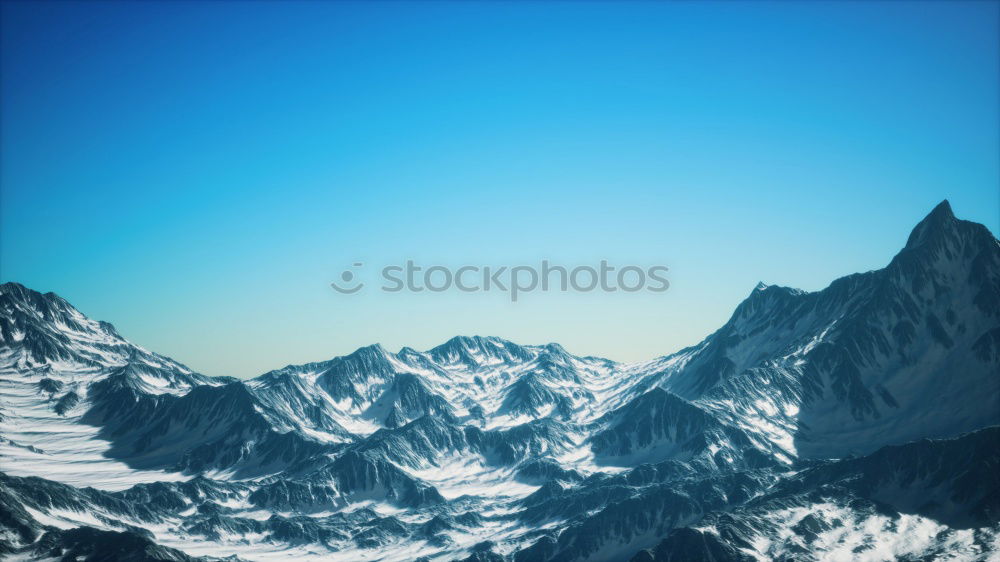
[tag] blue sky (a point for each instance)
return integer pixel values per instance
(197, 173)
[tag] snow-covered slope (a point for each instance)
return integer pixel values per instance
(797, 430)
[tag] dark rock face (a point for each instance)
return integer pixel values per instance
(94, 544)
(862, 420)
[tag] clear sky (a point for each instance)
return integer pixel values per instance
(197, 173)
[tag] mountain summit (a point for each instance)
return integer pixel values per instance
(859, 421)
(938, 222)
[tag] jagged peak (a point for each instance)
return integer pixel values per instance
(33, 299)
(374, 351)
(13, 287)
(373, 348)
(939, 220)
(368, 359)
(466, 348)
(762, 287)
(469, 342)
(23, 292)
(762, 296)
(466, 340)
(55, 324)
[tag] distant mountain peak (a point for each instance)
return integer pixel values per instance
(472, 342)
(372, 356)
(556, 349)
(473, 350)
(373, 349)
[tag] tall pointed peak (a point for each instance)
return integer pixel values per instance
(937, 221)
(943, 209)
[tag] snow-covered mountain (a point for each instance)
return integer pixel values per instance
(876, 358)
(856, 422)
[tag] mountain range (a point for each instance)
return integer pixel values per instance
(861, 421)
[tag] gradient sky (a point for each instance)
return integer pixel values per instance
(197, 173)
